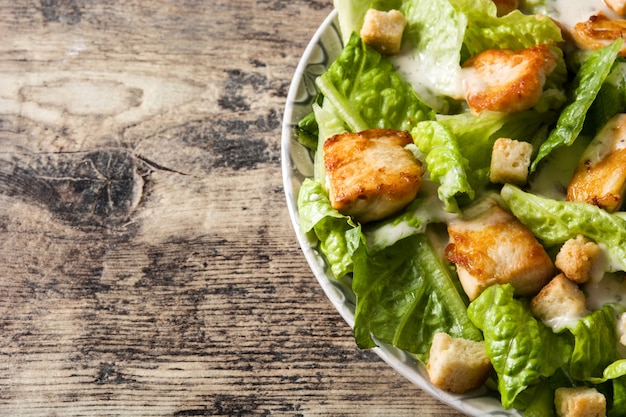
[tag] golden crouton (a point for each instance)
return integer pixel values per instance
(599, 31)
(618, 6)
(559, 302)
(496, 248)
(510, 160)
(506, 6)
(457, 365)
(507, 81)
(576, 258)
(383, 30)
(600, 178)
(579, 402)
(370, 174)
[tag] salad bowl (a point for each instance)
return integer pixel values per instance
(297, 164)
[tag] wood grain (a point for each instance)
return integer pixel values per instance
(147, 262)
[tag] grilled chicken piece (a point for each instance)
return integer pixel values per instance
(506, 6)
(507, 81)
(370, 174)
(494, 247)
(600, 178)
(599, 31)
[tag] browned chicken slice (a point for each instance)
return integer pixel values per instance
(494, 247)
(599, 31)
(370, 174)
(600, 178)
(506, 6)
(507, 81)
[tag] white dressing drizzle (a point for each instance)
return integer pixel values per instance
(570, 12)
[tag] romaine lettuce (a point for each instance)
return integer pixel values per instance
(521, 348)
(596, 340)
(476, 135)
(554, 222)
(405, 294)
(587, 84)
(367, 92)
(330, 226)
(513, 31)
(611, 99)
(445, 162)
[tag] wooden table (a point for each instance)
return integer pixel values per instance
(148, 266)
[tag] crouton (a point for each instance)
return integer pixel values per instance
(383, 30)
(559, 303)
(599, 31)
(618, 6)
(576, 258)
(496, 248)
(510, 160)
(506, 6)
(507, 81)
(370, 174)
(600, 177)
(579, 402)
(457, 365)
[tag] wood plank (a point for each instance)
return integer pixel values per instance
(147, 263)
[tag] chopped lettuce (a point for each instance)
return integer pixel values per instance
(554, 222)
(521, 348)
(406, 294)
(328, 125)
(596, 340)
(611, 99)
(476, 135)
(445, 162)
(328, 225)
(367, 92)
(513, 31)
(587, 84)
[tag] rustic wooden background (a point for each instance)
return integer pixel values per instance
(147, 262)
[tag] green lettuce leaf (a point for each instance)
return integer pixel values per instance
(405, 294)
(513, 31)
(587, 84)
(367, 92)
(329, 226)
(329, 124)
(595, 344)
(618, 408)
(611, 99)
(476, 135)
(554, 222)
(445, 162)
(521, 348)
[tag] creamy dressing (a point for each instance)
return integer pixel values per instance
(570, 12)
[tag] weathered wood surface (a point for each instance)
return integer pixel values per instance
(147, 263)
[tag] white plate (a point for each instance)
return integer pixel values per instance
(297, 164)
